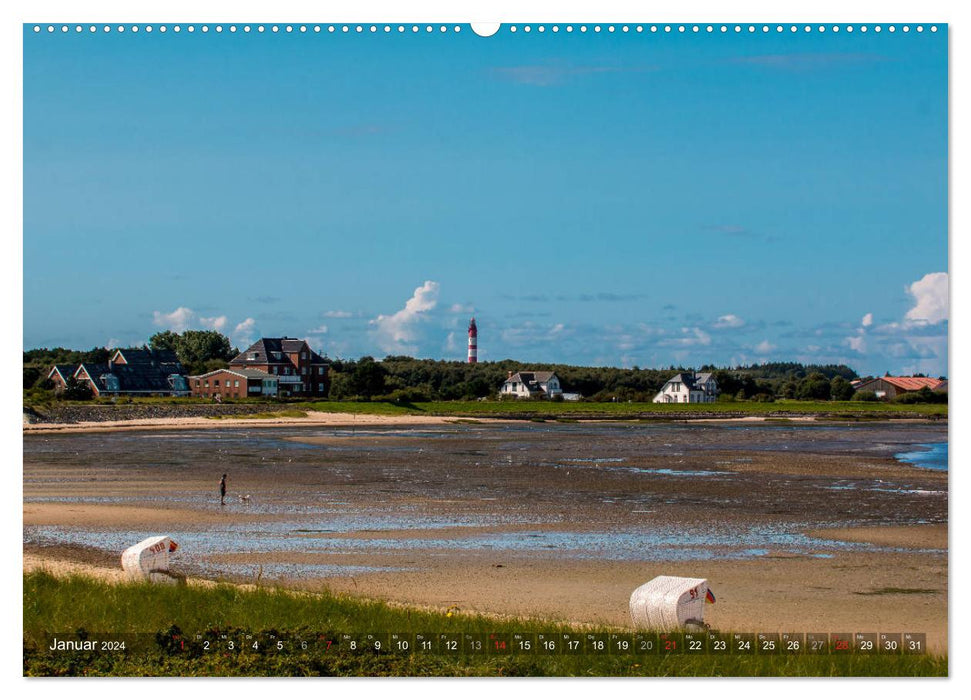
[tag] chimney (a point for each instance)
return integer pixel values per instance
(509, 374)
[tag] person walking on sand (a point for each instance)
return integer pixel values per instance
(222, 491)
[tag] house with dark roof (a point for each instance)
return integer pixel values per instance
(289, 367)
(59, 375)
(129, 372)
(891, 387)
(689, 387)
(531, 385)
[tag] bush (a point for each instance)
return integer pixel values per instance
(925, 395)
(406, 396)
(764, 398)
(76, 391)
(865, 396)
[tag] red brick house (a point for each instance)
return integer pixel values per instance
(129, 372)
(234, 384)
(268, 367)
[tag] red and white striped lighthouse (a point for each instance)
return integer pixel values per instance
(473, 342)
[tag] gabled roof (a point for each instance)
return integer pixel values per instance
(133, 377)
(92, 369)
(690, 380)
(133, 356)
(531, 377)
(265, 347)
(909, 383)
(65, 371)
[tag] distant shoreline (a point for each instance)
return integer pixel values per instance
(68, 417)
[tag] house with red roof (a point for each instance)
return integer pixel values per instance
(891, 387)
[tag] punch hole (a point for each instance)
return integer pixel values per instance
(485, 29)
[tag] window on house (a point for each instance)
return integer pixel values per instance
(320, 387)
(303, 356)
(215, 382)
(236, 383)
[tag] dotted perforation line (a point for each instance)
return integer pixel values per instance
(722, 28)
(512, 29)
(247, 28)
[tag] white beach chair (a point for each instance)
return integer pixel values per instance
(149, 560)
(669, 603)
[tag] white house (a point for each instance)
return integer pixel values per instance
(689, 387)
(531, 384)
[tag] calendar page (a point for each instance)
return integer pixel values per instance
(611, 349)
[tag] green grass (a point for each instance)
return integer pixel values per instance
(69, 605)
(563, 410)
(286, 413)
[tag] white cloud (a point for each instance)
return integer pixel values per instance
(243, 332)
(216, 323)
(691, 337)
(867, 320)
(857, 343)
(729, 321)
(462, 309)
(450, 344)
(338, 314)
(319, 330)
(930, 298)
(764, 348)
(397, 333)
(179, 320)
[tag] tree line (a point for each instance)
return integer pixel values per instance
(409, 379)
(402, 378)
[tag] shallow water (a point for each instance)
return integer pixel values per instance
(612, 491)
(929, 456)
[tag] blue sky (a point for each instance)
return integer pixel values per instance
(619, 199)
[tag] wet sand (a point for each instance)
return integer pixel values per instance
(800, 530)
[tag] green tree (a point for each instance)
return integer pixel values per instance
(75, 390)
(815, 387)
(367, 379)
(198, 351)
(165, 340)
(840, 389)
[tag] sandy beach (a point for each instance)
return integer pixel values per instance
(800, 529)
(313, 419)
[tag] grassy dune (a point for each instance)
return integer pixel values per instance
(66, 605)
